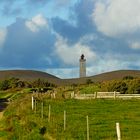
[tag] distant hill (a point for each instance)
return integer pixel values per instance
(114, 75)
(32, 75)
(29, 75)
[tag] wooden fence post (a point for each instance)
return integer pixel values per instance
(118, 131)
(49, 114)
(64, 120)
(32, 103)
(87, 129)
(54, 95)
(35, 106)
(72, 94)
(114, 94)
(95, 95)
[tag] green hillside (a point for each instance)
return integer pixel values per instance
(20, 122)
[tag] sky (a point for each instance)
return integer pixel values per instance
(51, 35)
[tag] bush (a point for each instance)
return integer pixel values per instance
(89, 89)
(4, 85)
(43, 130)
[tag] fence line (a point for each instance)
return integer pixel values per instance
(86, 96)
(111, 95)
(118, 132)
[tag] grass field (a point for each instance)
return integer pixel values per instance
(21, 123)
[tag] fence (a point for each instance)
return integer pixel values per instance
(87, 127)
(33, 102)
(107, 95)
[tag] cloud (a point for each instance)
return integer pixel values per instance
(88, 38)
(62, 3)
(70, 54)
(27, 49)
(135, 45)
(107, 62)
(78, 22)
(11, 7)
(117, 17)
(112, 62)
(64, 72)
(37, 1)
(19, 7)
(36, 23)
(3, 33)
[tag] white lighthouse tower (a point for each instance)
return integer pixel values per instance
(82, 69)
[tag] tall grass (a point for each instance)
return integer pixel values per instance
(22, 123)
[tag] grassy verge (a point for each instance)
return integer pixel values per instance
(21, 122)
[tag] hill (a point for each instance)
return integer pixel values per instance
(28, 75)
(114, 75)
(25, 74)
(32, 75)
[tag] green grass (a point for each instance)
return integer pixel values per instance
(5, 94)
(21, 122)
(103, 114)
(9, 95)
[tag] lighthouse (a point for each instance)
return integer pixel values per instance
(82, 67)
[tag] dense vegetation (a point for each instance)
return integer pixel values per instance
(15, 83)
(128, 85)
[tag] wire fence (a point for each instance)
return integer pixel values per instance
(75, 126)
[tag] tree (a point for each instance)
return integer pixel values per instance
(134, 86)
(4, 85)
(89, 81)
(41, 83)
(119, 86)
(90, 89)
(20, 84)
(13, 82)
(129, 77)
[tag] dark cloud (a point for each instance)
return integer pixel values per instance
(83, 11)
(24, 48)
(65, 29)
(83, 25)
